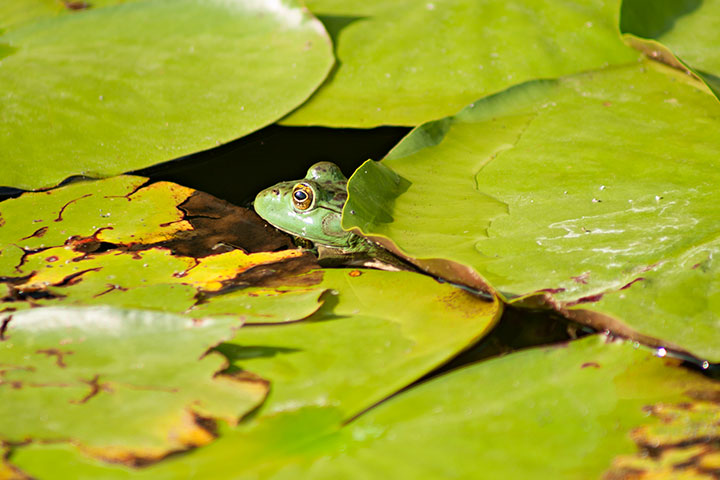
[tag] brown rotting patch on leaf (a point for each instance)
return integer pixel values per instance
(221, 226)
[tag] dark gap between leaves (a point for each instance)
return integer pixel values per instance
(238, 170)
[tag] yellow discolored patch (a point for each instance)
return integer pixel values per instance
(210, 272)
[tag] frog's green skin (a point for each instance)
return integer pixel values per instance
(320, 222)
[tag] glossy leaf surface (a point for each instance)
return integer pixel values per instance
(605, 205)
(144, 374)
(376, 332)
(411, 61)
(108, 90)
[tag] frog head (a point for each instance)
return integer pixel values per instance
(310, 208)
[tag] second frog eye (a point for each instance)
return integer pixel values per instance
(302, 196)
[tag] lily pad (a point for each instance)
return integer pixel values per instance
(360, 346)
(688, 28)
(574, 411)
(158, 246)
(526, 195)
(107, 90)
(144, 374)
(411, 61)
(260, 305)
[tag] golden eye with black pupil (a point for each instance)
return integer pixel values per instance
(302, 196)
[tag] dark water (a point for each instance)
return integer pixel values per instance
(238, 170)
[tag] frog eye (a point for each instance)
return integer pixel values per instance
(302, 196)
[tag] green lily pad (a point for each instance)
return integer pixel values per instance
(260, 305)
(376, 332)
(575, 411)
(575, 188)
(144, 374)
(688, 28)
(411, 61)
(107, 90)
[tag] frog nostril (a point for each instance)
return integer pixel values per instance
(275, 191)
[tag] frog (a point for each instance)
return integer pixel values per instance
(311, 209)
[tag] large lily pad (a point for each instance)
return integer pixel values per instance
(690, 29)
(144, 374)
(376, 332)
(121, 242)
(107, 90)
(411, 61)
(577, 187)
(575, 411)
